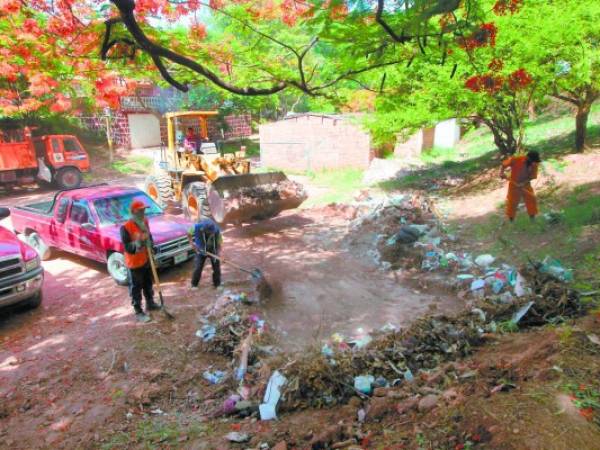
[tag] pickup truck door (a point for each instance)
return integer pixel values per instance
(57, 228)
(82, 232)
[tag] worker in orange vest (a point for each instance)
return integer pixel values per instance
(135, 234)
(523, 169)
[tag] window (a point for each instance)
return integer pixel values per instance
(71, 146)
(61, 213)
(80, 213)
(116, 210)
(56, 146)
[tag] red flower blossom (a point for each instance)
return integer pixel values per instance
(486, 35)
(519, 79)
(488, 83)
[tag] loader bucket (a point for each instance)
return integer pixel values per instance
(248, 197)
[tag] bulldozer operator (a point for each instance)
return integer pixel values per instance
(192, 142)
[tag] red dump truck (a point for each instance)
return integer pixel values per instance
(57, 159)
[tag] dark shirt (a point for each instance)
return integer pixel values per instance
(207, 236)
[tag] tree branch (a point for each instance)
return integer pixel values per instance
(388, 29)
(156, 52)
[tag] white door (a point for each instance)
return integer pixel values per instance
(144, 130)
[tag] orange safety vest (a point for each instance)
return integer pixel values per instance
(139, 259)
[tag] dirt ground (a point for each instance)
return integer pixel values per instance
(80, 363)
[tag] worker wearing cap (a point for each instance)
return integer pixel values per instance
(205, 236)
(523, 169)
(135, 234)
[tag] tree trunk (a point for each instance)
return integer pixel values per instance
(581, 119)
(531, 110)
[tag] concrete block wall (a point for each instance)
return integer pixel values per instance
(314, 142)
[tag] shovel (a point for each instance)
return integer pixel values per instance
(157, 281)
(262, 286)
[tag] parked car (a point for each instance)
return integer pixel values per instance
(21, 274)
(58, 159)
(86, 221)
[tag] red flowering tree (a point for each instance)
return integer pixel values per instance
(500, 92)
(258, 47)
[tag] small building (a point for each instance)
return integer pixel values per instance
(312, 141)
(445, 134)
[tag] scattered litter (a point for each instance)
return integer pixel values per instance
(504, 387)
(553, 217)
(157, 411)
(408, 376)
(477, 284)
(361, 415)
(594, 339)
(215, 377)
(554, 268)
(520, 286)
(364, 383)
(229, 405)
(207, 332)
(272, 395)
(518, 315)
(238, 437)
(484, 260)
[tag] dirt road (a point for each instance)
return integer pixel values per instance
(80, 363)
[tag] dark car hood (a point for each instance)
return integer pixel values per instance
(163, 228)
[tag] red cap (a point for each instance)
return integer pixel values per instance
(138, 204)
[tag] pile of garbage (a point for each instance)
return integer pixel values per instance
(273, 191)
(402, 231)
(377, 219)
(337, 372)
(228, 322)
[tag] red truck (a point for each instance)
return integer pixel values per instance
(21, 275)
(58, 159)
(86, 221)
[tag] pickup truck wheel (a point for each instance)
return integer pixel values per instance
(68, 178)
(159, 188)
(38, 244)
(194, 201)
(34, 301)
(117, 269)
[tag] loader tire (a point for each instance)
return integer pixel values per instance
(194, 201)
(159, 188)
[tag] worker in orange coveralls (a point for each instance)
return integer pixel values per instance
(523, 169)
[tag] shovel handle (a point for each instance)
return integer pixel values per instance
(212, 255)
(154, 271)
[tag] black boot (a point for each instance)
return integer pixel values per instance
(151, 306)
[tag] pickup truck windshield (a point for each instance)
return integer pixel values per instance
(115, 210)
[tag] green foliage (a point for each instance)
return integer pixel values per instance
(340, 185)
(152, 434)
(133, 164)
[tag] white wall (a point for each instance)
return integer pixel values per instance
(447, 134)
(144, 130)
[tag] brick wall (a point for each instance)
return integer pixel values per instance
(313, 142)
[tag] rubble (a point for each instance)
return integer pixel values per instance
(318, 380)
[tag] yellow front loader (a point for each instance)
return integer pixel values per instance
(209, 183)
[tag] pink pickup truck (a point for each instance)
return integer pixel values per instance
(21, 275)
(86, 221)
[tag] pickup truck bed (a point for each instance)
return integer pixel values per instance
(44, 208)
(87, 221)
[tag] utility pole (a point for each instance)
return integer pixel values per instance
(109, 137)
